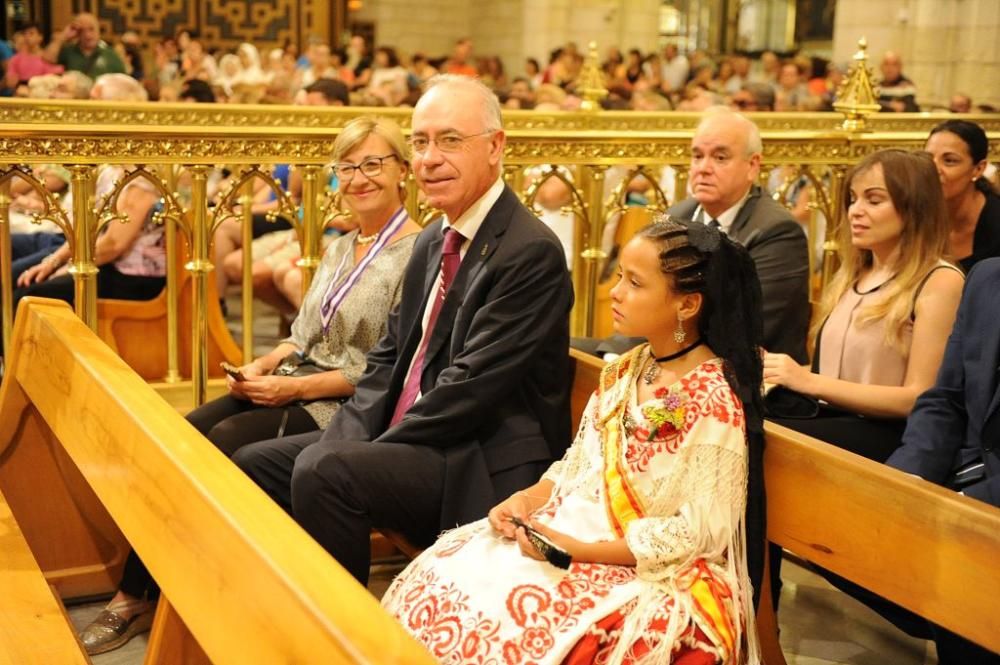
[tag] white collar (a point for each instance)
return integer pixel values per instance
(469, 221)
(727, 218)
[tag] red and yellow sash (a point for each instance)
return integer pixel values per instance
(709, 596)
(622, 502)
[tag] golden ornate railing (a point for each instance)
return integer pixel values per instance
(598, 153)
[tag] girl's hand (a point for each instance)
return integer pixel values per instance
(516, 505)
(559, 539)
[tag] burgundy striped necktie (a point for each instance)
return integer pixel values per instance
(450, 260)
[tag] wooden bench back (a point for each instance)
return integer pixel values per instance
(250, 584)
(33, 625)
(926, 548)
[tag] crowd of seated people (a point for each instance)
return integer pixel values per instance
(460, 404)
(380, 75)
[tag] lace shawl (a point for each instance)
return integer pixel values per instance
(694, 511)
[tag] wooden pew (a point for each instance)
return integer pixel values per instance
(926, 548)
(84, 435)
(33, 626)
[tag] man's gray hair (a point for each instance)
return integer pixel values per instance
(754, 144)
(120, 88)
(490, 106)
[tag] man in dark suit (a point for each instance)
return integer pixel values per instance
(957, 421)
(725, 165)
(954, 425)
(466, 398)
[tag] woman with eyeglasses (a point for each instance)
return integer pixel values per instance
(297, 387)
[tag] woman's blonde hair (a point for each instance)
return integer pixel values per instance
(915, 190)
(356, 131)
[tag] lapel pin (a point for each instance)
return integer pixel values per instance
(483, 253)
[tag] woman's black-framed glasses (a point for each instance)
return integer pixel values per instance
(371, 167)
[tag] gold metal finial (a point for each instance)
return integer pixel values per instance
(590, 85)
(857, 97)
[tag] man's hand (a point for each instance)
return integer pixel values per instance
(70, 32)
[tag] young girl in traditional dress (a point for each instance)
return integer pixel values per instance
(648, 502)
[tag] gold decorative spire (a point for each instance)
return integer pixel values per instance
(590, 84)
(857, 97)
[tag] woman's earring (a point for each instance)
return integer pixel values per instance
(679, 334)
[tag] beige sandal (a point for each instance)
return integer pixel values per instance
(111, 630)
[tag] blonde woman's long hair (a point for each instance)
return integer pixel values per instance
(915, 190)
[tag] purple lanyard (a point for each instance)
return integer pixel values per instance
(335, 295)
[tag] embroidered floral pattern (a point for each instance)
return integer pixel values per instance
(454, 632)
(683, 451)
(662, 423)
(665, 418)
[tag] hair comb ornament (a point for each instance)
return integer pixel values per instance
(703, 237)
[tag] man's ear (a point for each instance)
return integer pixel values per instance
(755, 160)
(497, 143)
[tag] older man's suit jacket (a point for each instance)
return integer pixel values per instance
(958, 420)
(495, 384)
(780, 252)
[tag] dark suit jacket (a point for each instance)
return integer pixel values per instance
(779, 250)
(957, 421)
(495, 383)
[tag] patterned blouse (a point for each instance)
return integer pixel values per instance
(358, 323)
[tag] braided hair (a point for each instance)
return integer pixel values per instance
(700, 259)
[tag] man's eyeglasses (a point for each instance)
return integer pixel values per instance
(445, 142)
(371, 167)
(743, 103)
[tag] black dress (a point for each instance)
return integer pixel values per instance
(986, 240)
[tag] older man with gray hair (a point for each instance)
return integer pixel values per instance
(725, 165)
(465, 400)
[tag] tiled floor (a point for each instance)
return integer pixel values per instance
(819, 626)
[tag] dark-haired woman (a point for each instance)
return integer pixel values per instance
(959, 149)
(648, 502)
